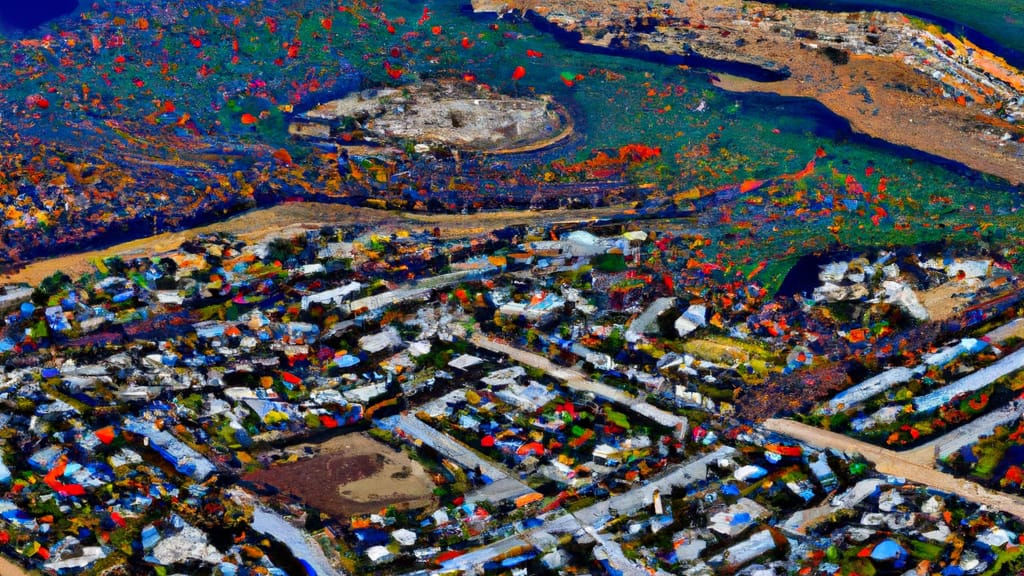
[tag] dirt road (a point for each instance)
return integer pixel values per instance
(10, 568)
(896, 464)
(293, 218)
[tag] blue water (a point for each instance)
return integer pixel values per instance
(27, 15)
(984, 24)
(746, 136)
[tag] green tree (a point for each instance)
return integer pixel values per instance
(50, 285)
(615, 342)
(281, 249)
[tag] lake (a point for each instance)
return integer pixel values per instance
(28, 15)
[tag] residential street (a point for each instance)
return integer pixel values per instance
(896, 464)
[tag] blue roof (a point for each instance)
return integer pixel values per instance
(347, 360)
(741, 518)
(150, 537)
(533, 522)
(888, 550)
(968, 454)
(371, 537)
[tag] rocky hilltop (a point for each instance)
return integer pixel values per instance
(892, 77)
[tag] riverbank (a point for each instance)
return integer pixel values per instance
(995, 25)
(891, 77)
(906, 119)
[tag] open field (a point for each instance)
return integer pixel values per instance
(353, 474)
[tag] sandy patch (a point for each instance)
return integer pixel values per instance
(945, 301)
(9, 568)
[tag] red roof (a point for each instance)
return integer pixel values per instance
(448, 555)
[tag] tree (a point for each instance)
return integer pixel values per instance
(168, 266)
(615, 342)
(281, 249)
(50, 285)
(667, 322)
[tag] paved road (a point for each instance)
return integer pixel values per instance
(629, 502)
(974, 381)
(592, 517)
(964, 435)
(578, 381)
(897, 464)
(879, 383)
(268, 522)
(448, 446)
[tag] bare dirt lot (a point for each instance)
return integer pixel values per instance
(352, 474)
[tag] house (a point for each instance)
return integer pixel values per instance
(56, 318)
(334, 297)
(364, 394)
(504, 377)
(425, 554)
(584, 244)
(14, 296)
(694, 317)
(741, 515)
(646, 322)
(69, 555)
(379, 555)
(383, 340)
(404, 537)
(170, 297)
(747, 551)
(541, 308)
(440, 517)
(311, 269)
(464, 362)
(823, 472)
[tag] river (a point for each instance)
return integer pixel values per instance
(707, 137)
(624, 98)
(995, 25)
